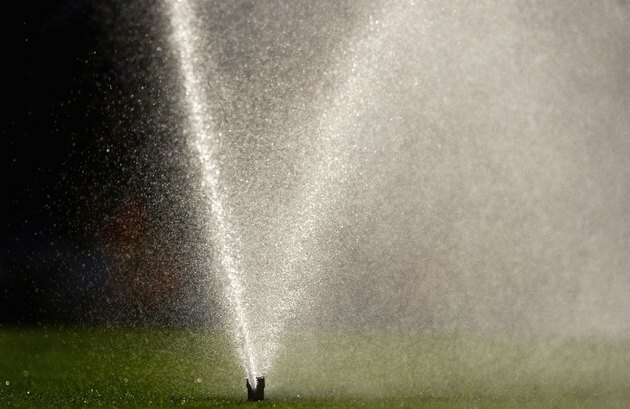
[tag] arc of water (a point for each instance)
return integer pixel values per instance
(315, 197)
(334, 163)
(203, 138)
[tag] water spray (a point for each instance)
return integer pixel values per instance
(257, 394)
(204, 142)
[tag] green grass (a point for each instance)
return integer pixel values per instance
(176, 368)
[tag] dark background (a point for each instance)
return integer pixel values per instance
(80, 227)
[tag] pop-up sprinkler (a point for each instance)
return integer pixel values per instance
(258, 393)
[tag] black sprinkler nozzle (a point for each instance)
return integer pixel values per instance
(258, 393)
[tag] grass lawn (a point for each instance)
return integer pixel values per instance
(171, 368)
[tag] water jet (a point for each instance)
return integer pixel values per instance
(405, 186)
(377, 202)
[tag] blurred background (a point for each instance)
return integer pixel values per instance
(80, 234)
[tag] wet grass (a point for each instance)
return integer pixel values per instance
(176, 368)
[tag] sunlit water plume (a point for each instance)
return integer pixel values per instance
(410, 165)
(338, 158)
(204, 139)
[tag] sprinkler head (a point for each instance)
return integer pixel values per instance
(258, 393)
